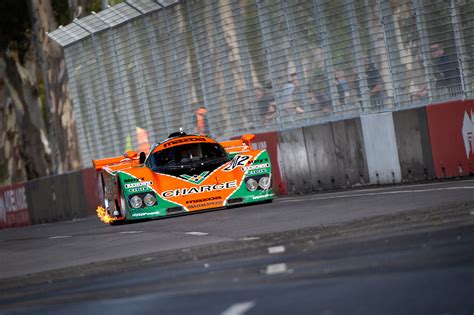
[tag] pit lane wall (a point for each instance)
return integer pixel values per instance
(432, 142)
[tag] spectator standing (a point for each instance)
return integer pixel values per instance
(265, 103)
(374, 83)
(200, 120)
(342, 87)
(446, 70)
(298, 95)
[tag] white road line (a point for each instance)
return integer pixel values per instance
(197, 233)
(130, 232)
(59, 236)
(250, 238)
(381, 193)
(276, 268)
(276, 249)
(239, 308)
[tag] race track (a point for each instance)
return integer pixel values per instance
(383, 250)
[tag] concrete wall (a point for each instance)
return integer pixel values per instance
(293, 152)
(413, 144)
(336, 155)
(451, 127)
(56, 198)
(381, 148)
(322, 157)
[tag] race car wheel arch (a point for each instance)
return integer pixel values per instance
(120, 202)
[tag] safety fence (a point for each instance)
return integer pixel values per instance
(142, 69)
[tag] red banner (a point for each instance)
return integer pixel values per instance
(13, 206)
(451, 128)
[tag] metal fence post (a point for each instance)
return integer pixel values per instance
(425, 47)
(394, 83)
(141, 82)
(328, 65)
(200, 66)
(361, 72)
(466, 83)
(269, 64)
(94, 141)
(246, 62)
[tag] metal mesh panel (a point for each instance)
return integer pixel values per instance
(259, 65)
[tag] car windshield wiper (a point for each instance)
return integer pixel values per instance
(214, 160)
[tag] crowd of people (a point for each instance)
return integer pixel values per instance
(287, 96)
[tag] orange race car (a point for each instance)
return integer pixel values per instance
(181, 174)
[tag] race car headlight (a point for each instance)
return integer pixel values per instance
(136, 202)
(264, 182)
(149, 200)
(252, 184)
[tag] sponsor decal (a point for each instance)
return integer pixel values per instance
(195, 179)
(262, 196)
(139, 184)
(256, 167)
(256, 172)
(199, 189)
(207, 204)
(468, 133)
(204, 199)
(260, 161)
(139, 189)
(132, 180)
(178, 141)
(237, 161)
(13, 206)
(142, 214)
(14, 200)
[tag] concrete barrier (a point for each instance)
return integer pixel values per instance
(70, 197)
(336, 155)
(451, 128)
(381, 148)
(413, 144)
(93, 194)
(56, 198)
(41, 200)
(292, 149)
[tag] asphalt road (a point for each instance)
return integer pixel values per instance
(404, 249)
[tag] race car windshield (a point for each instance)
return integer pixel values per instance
(189, 159)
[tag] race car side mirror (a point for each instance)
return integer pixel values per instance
(247, 139)
(142, 157)
(130, 154)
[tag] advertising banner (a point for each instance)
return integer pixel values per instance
(451, 128)
(13, 206)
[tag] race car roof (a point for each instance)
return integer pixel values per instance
(179, 140)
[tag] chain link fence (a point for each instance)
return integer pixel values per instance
(142, 69)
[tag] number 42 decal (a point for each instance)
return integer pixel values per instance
(238, 160)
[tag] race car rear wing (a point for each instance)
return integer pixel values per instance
(128, 157)
(240, 145)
